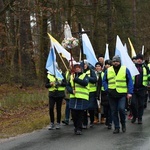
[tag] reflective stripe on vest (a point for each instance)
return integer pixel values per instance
(145, 77)
(80, 91)
(53, 79)
(92, 86)
(118, 81)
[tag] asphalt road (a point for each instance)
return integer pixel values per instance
(137, 137)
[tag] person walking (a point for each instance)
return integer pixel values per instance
(105, 100)
(99, 116)
(140, 89)
(79, 96)
(56, 88)
(117, 82)
(67, 98)
(92, 96)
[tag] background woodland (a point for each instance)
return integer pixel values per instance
(24, 24)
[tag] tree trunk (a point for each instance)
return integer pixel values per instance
(26, 47)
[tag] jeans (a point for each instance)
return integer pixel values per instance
(117, 106)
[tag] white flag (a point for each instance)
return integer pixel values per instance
(88, 50)
(125, 59)
(106, 57)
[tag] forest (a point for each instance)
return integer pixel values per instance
(24, 24)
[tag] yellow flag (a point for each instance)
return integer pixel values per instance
(56, 43)
(133, 54)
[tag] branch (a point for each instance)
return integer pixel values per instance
(6, 7)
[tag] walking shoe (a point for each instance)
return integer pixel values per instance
(123, 128)
(109, 126)
(91, 125)
(133, 120)
(75, 130)
(66, 122)
(51, 127)
(130, 117)
(84, 127)
(139, 121)
(58, 126)
(116, 131)
(78, 132)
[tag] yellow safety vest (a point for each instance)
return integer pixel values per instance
(102, 75)
(118, 81)
(92, 86)
(53, 79)
(80, 91)
(149, 66)
(145, 77)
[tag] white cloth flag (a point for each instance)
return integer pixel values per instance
(125, 59)
(88, 50)
(143, 50)
(106, 57)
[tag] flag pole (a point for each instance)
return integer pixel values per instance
(62, 61)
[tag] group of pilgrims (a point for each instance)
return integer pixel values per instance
(102, 94)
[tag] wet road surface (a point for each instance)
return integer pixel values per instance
(137, 137)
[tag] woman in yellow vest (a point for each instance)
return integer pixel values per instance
(79, 96)
(117, 81)
(92, 95)
(56, 87)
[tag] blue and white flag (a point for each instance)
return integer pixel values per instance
(51, 63)
(125, 59)
(88, 50)
(59, 48)
(106, 57)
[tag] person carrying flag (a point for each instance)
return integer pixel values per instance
(79, 96)
(56, 88)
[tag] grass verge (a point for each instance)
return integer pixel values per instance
(22, 110)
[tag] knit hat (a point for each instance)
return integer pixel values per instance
(139, 56)
(116, 58)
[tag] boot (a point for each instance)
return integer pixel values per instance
(124, 128)
(96, 120)
(133, 120)
(116, 131)
(102, 120)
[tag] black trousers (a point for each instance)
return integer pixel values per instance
(137, 103)
(85, 117)
(52, 102)
(77, 116)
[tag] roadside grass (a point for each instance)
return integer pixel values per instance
(23, 110)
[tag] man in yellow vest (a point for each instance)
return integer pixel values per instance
(79, 96)
(56, 87)
(140, 88)
(117, 82)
